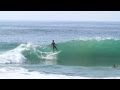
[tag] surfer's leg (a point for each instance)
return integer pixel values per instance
(56, 48)
(53, 49)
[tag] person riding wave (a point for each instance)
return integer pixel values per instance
(54, 46)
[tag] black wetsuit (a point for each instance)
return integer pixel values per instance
(54, 46)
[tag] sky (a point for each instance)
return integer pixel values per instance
(60, 16)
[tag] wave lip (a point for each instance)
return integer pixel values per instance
(14, 56)
(97, 38)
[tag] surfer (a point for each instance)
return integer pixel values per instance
(54, 46)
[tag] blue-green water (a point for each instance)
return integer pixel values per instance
(86, 49)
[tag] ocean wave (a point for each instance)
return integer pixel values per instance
(27, 53)
(75, 52)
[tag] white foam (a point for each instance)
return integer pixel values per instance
(11, 72)
(21, 73)
(49, 55)
(50, 58)
(15, 55)
(98, 38)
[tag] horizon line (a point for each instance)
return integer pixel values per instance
(57, 21)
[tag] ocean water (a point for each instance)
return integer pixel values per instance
(86, 50)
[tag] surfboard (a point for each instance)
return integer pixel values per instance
(44, 54)
(50, 55)
(54, 53)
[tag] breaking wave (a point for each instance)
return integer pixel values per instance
(75, 52)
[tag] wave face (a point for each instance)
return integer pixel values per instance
(90, 52)
(76, 52)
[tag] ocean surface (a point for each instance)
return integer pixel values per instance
(86, 50)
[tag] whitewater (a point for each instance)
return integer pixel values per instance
(86, 50)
